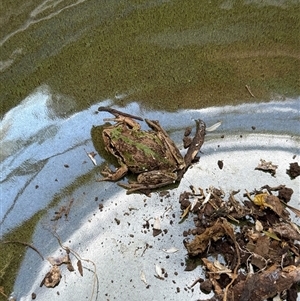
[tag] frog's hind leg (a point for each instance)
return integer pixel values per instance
(144, 186)
(125, 120)
(119, 113)
(154, 125)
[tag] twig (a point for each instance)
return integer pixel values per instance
(91, 155)
(24, 244)
(78, 257)
(146, 248)
(248, 89)
(234, 276)
(167, 209)
(247, 194)
(195, 282)
(2, 292)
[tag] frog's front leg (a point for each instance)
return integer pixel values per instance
(110, 175)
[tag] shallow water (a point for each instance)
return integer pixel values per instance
(53, 148)
(46, 166)
(174, 61)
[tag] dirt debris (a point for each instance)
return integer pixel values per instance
(294, 170)
(267, 167)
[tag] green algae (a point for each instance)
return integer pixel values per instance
(174, 55)
(180, 54)
(12, 254)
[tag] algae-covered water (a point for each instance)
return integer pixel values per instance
(164, 54)
(168, 60)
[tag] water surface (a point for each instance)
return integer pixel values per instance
(165, 54)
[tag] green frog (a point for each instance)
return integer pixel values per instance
(152, 154)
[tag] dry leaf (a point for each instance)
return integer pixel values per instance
(143, 277)
(92, 155)
(171, 250)
(52, 278)
(79, 266)
(213, 276)
(70, 267)
(267, 167)
(222, 268)
(285, 230)
(273, 280)
(215, 232)
(159, 272)
(156, 224)
(58, 260)
(258, 226)
(213, 127)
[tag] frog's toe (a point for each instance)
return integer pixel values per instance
(107, 173)
(110, 175)
(136, 187)
(107, 177)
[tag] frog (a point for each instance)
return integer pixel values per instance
(150, 154)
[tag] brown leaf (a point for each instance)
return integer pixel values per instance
(260, 251)
(213, 276)
(262, 286)
(70, 267)
(285, 230)
(275, 204)
(220, 228)
(271, 201)
(79, 266)
(52, 278)
(58, 260)
(267, 167)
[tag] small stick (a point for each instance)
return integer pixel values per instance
(195, 282)
(91, 155)
(24, 244)
(248, 89)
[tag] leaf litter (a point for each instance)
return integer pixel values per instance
(255, 238)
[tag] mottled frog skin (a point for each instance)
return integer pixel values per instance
(150, 154)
